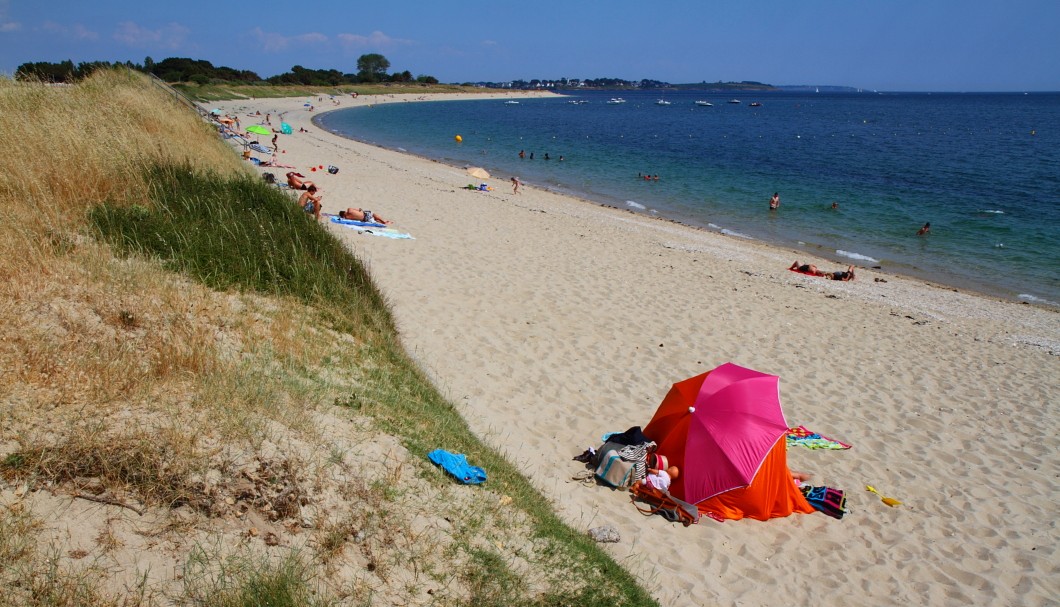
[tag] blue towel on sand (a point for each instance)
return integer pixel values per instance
(456, 464)
(352, 222)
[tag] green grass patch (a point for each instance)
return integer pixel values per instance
(243, 581)
(241, 233)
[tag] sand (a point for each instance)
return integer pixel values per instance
(550, 320)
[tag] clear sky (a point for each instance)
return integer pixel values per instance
(893, 45)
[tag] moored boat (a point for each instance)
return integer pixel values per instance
(704, 103)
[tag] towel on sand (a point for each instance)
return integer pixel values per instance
(827, 500)
(354, 222)
(456, 465)
(812, 440)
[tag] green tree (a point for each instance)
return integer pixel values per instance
(372, 67)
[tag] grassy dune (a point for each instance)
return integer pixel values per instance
(203, 400)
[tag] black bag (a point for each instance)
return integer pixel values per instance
(633, 436)
(333, 169)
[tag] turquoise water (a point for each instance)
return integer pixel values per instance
(983, 169)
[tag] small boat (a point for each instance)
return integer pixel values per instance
(704, 103)
(512, 102)
(615, 101)
(736, 101)
(755, 104)
(662, 102)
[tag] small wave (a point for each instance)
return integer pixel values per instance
(857, 256)
(636, 205)
(729, 232)
(1034, 299)
(991, 212)
(402, 150)
(713, 226)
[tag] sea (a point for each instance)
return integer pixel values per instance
(858, 174)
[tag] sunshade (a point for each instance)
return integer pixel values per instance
(717, 428)
(215, 111)
(479, 172)
(260, 130)
(285, 128)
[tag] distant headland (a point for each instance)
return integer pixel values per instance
(371, 69)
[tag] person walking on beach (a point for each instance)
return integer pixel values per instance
(924, 230)
(774, 202)
(515, 185)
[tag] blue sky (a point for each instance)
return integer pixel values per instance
(893, 45)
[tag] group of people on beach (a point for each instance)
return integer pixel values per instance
(310, 202)
(812, 270)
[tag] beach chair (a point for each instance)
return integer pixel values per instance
(659, 501)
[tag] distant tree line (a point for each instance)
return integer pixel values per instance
(371, 68)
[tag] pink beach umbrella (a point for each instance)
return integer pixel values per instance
(718, 428)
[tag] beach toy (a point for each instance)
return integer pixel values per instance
(314, 169)
(890, 501)
(458, 138)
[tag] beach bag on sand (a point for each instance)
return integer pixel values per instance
(333, 169)
(826, 499)
(659, 501)
(614, 471)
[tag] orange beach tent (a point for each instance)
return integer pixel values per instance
(725, 431)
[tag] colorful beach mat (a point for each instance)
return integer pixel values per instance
(375, 229)
(812, 440)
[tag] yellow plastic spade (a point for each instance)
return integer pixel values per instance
(890, 501)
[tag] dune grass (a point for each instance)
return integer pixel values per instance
(165, 316)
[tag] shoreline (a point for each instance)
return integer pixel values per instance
(548, 321)
(801, 248)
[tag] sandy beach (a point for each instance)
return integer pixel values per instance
(550, 321)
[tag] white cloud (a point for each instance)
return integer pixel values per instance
(271, 42)
(76, 31)
(376, 40)
(170, 36)
(10, 26)
(311, 38)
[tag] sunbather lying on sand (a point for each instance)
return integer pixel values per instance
(813, 270)
(363, 215)
(298, 181)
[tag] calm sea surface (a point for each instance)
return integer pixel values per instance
(983, 169)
